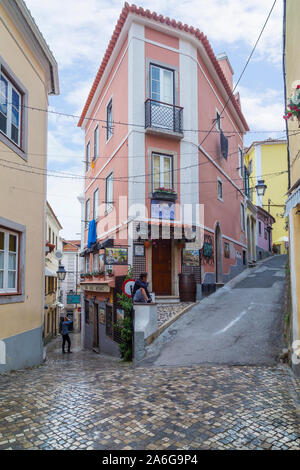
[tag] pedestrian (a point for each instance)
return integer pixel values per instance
(140, 291)
(65, 334)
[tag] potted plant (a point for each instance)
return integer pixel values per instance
(181, 244)
(109, 272)
(147, 243)
(293, 104)
(167, 194)
(88, 274)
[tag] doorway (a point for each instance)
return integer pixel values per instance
(218, 253)
(162, 267)
(96, 328)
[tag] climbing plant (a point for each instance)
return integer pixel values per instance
(125, 326)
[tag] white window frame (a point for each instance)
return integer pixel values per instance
(96, 142)
(5, 289)
(220, 182)
(243, 221)
(109, 123)
(87, 156)
(109, 204)
(95, 262)
(161, 81)
(161, 171)
(218, 121)
(10, 88)
(87, 212)
(87, 264)
(241, 161)
(96, 204)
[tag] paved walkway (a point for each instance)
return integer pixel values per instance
(89, 401)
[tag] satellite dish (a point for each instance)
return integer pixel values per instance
(58, 254)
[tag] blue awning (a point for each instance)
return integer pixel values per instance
(292, 201)
(92, 235)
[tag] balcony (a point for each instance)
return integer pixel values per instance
(163, 119)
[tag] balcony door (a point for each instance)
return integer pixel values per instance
(162, 92)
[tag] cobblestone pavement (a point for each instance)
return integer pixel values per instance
(166, 311)
(88, 401)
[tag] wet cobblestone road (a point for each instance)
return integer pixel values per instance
(86, 401)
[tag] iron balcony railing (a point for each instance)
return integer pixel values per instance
(163, 116)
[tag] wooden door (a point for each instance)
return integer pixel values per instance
(96, 328)
(161, 268)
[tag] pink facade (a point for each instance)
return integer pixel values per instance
(264, 233)
(166, 88)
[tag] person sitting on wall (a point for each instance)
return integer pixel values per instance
(140, 291)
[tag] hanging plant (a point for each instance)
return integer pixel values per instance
(293, 104)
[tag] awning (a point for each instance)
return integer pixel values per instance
(50, 273)
(292, 201)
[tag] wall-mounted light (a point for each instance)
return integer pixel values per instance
(260, 188)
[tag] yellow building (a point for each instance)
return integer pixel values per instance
(28, 75)
(53, 254)
(267, 160)
(292, 80)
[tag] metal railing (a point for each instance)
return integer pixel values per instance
(163, 116)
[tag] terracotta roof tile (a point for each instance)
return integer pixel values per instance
(177, 25)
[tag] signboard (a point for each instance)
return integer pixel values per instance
(127, 286)
(73, 299)
(96, 287)
(115, 256)
(207, 250)
(190, 257)
(162, 210)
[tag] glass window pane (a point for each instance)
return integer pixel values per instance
(3, 95)
(1, 260)
(12, 261)
(15, 99)
(15, 134)
(15, 117)
(156, 171)
(167, 172)
(11, 281)
(1, 279)
(155, 72)
(168, 86)
(1, 240)
(3, 123)
(13, 243)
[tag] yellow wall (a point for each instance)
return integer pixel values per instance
(293, 74)
(273, 159)
(23, 194)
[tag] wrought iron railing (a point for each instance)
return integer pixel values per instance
(163, 116)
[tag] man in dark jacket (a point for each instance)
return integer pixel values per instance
(65, 334)
(140, 291)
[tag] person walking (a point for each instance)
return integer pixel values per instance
(65, 334)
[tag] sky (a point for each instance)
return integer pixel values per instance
(78, 33)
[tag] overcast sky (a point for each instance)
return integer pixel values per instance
(78, 32)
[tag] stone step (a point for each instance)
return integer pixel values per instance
(167, 299)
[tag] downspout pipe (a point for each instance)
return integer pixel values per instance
(285, 94)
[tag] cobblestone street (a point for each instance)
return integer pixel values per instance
(88, 401)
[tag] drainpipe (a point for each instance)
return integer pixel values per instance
(285, 97)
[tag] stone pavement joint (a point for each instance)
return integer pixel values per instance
(86, 401)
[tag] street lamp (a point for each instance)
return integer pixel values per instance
(61, 273)
(260, 188)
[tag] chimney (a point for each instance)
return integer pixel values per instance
(226, 68)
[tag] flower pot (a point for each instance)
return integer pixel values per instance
(180, 245)
(147, 244)
(164, 196)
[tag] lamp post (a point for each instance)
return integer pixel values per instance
(260, 188)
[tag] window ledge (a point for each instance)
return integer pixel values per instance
(12, 298)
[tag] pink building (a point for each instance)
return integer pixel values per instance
(159, 90)
(264, 233)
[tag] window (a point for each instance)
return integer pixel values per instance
(96, 142)
(87, 157)
(10, 110)
(259, 228)
(162, 169)
(95, 204)
(266, 234)
(220, 189)
(162, 84)
(49, 235)
(109, 192)
(56, 242)
(9, 248)
(109, 120)
(218, 122)
(95, 262)
(241, 162)
(242, 217)
(87, 213)
(250, 167)
(87, 264)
